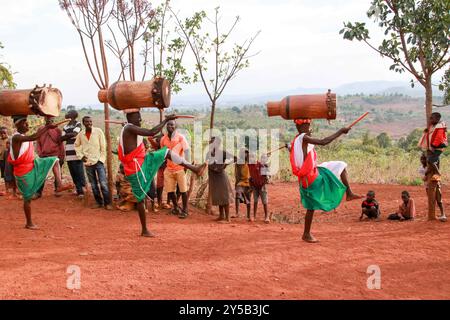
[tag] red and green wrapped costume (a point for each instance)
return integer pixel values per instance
(30, 171)
(320, 187)
(141, 167)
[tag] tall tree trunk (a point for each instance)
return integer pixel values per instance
(108, 153)
(106, 109)
(213, 111)
(211, 127)
(428, 100)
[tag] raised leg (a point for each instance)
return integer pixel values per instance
(350, 195)
(199, 170)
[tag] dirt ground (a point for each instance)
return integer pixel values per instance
(201, 259)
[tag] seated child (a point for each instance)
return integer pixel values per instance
(370, 207)
(407, 209)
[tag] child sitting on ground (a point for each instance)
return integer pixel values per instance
(370, 207)
(407, 209)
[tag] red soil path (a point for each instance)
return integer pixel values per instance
(201, 259)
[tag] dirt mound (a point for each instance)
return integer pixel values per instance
(200, 259)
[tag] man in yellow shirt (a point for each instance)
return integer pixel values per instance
(90, 147)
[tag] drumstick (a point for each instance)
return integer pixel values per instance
(358, 120)
(280, 148)
(61, 122)
(185, 117)
(115, 122)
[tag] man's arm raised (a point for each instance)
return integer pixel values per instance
(327, 140)
(34, 136)
(150, 132)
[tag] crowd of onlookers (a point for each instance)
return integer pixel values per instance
(83, 147)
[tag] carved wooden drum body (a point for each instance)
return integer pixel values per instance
(41, 101)
(315, 106)
(124, 95)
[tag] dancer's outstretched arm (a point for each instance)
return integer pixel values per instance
(327, 140)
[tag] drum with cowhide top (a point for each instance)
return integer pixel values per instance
(41, 101)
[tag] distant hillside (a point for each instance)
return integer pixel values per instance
(367, 88)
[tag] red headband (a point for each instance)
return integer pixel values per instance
(302, 121)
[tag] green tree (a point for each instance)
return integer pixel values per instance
(165, 48)
(410, 142)
(215, 64)
(236, 109)
(6, 75)
(384, 140)
(416, 38)
(445, 86)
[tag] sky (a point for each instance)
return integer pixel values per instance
(299, 46)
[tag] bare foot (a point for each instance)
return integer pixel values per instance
(32, 227)
(309, 238)
(267, 221)
(352, 197)
(64, 187)
(147, 234)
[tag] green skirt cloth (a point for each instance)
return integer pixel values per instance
(30, 183)
(141, 181)
(325, 193)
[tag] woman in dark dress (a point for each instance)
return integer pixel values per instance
(219, 185)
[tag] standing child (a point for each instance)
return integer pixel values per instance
(258, 180)
(243, 189)
(406, 211)
(370, 207)
(434, 141)
(433, 187)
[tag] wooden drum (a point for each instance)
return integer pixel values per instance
(124, 95)
(316, 106)
(41, 101)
